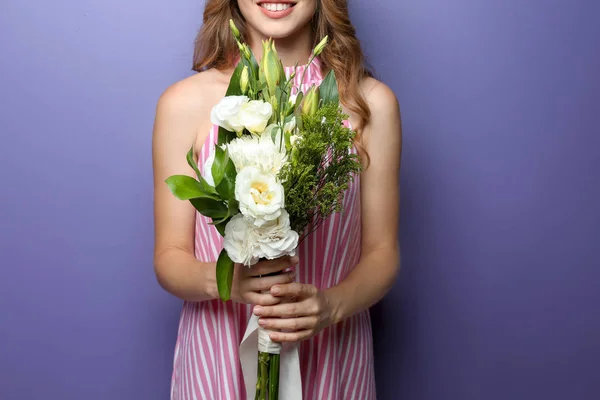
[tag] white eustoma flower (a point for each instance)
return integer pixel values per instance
(259, 194)
(257, 151)
(276, 239)
(255, 115)
(226, 113)
(240, 241)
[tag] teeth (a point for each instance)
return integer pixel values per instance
(275, 6)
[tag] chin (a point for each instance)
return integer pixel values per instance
(277, 19)
(277, 31)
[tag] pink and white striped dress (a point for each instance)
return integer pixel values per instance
(337, 364)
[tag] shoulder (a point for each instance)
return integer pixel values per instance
(192, 94)
(385, 110)
(380, 97)
(183, 110)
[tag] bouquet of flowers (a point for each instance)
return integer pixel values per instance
(281, 166)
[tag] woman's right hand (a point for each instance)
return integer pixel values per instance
(248, 285)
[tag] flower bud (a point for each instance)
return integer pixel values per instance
(244, 80)
(295, 154)
(244, 50)
(271, 66)
(310, 103)
(275, 104)
(319, 48)
(234, 29)
(247, 52)
(290, 126)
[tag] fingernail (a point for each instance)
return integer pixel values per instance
(258, 310)
(261, 322)
(275, 290)
(273, 336)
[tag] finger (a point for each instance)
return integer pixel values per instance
(270, 266)
(292, 324)
(261, 299)
(294, 289)
(298, 309)
(291, 336)
(259, 284)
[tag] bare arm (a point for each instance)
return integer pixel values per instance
(378, 267)
(175, 130)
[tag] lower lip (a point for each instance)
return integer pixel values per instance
(276, 14)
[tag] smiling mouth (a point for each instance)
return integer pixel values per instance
(275, 7)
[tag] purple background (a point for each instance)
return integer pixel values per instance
(499, 293)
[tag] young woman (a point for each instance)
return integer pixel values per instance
(341, 269)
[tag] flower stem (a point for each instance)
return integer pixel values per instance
(304, 72)
(258, 379)
(274, 377)
(263, 377)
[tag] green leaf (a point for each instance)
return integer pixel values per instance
(218, 167)
(234, 209)
(298, 115)
(192, 163)
(226, 188)
(225, 136)
(209, 207)
(329, 89)
(282, 98)
(282, 78)
(224, 275)
(253, 68)
(253, 65)
(299, 98)
(287, 137)
(234, 89)
(234, 83)
(185, 187)
(208, 189)
(221, 226)
(234, 206)
(274, 133)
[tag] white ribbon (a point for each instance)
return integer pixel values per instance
(265, 344)
(290, 380)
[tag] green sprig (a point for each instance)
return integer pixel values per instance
(321, 169)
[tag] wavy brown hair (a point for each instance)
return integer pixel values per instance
(216, 48)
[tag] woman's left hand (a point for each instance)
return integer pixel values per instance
(309, 311)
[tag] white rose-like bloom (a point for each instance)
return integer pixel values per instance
(257, 151)
(255, 115)
(226, 113)
(276, 239)
(240, 241)
(260, 195)
(246, 243)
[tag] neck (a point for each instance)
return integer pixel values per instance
(293, 49)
